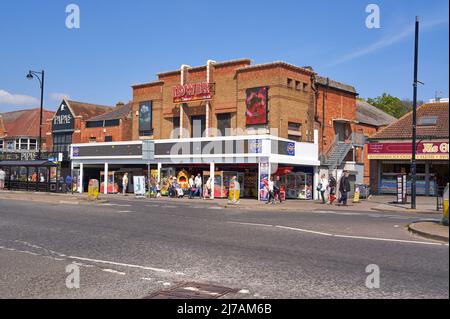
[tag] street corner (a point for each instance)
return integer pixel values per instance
(430, 230)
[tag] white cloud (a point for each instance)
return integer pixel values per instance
(59, 96)
(10, 99)
(387, 41)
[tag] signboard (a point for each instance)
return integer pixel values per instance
(425, 150)
(401, 189)
(264, 171)
(63, 120)
(139, 186)
(234, 191)
(192, 92)
(257, 106)
(255, 146)
(145, 116)
(290, 149)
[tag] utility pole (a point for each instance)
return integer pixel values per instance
(414, 124)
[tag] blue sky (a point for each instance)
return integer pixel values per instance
(121, 43)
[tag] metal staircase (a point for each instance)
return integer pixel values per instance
(339, 150)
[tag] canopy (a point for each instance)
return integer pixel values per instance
(27, 163)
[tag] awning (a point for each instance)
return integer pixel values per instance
(27, 163)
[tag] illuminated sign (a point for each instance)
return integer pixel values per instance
(192, 92)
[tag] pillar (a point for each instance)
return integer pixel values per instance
(212, 170)
(80, 187)
(183, 81)
(159, 172)
(105, 179)
(209, 68)
(427, 179)
(316, 183)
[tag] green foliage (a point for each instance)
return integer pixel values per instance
(391, 105)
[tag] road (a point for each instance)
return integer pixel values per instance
(133, 248)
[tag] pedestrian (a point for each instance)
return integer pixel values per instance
(323, 187)
(331, 190)
(191, 186)
(198, 186)
(124, 184)
(208, 188)
(69, 181)
(277, 189)
(271, 197)
(157, 190)
(2, 179)
(344, 188)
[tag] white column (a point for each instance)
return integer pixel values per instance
(159, 172)
(212, 170)
(80, 187)
(105, 179)
(316, 183)
(183, 81)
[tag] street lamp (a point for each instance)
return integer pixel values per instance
(40, 77)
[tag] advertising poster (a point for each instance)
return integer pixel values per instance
(256, 106)
(264, 171)
(145, 116)
(139, 186)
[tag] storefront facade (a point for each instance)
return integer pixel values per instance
(390, 152)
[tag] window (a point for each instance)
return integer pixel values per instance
(198, 125)
(61, 142)
(108, 138)
(305, 87)
(298, 85)
(110, 123)
(223, 123)
(10, 145)
(427, 121)
(289, 83)
(92, 139)
(94, 124)
(1, 144)
(24, 144)
(33, 144)
(176, 127)
(295, 131)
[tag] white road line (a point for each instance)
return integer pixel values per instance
(125, 211)
(251, 224)
(304, 230)
(114, 272)
(120, 264)
(390, 240)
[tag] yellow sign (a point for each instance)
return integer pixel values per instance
(93, 189)
(356, 197)
(408, 156)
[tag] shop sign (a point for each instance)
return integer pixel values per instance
(63, 120)
(290, 149)
(255, 146)
(425, 150)
(192, 92)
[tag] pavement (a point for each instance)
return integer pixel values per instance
(431, 230)
(127, 248)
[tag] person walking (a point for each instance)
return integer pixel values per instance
(331, 190)
(344, 188)
(2, 179)
(277, 189)
(191, 186)
(124, 184)
(198, 185)
(69, 181)
(323, 187)
(271, 197)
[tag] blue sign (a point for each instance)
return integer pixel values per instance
(255, 146)
(76, 152)
(290, 149)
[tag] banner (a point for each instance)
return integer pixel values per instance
(257, 106)
(145, 117)
(424, 150)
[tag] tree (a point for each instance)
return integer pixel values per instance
(390, 104)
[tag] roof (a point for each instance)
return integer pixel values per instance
(119, 112)
(199, 68)
(25, 122)
(2, 126)
(335, 85)
(27, 163)
(276, 64)
(402, 129)
(371, 115)
(87, 110)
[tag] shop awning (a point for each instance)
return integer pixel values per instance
(27, 163)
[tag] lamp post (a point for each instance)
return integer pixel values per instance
(40, 77)
(414, 123)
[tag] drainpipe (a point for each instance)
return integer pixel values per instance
(209, 77)
(325, 94)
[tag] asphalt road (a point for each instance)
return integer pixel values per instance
(130, 249)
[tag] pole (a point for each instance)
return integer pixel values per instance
(40, 116)
(414, 124)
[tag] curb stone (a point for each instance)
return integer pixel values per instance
(424, 234)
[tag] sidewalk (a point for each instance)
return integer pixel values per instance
(430, 230)
(377, 203)
(424, 205)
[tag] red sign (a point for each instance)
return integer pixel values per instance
(192, 92)
(425, 150)
(257, 106)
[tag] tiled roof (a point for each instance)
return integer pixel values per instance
(87, 110)
(25, 122)
(371, 115)
(276, 64)
(336, 85)
(402, 129)
(119, 112)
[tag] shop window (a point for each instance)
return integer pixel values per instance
(224, 123)
(108, 138)
(33, 144)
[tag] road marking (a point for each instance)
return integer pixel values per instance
(345, 236)
(120, 264)
(251, 224)
(114, 272)
(146, 279)
(125, 211)
(305, 230)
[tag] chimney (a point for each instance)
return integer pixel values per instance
(120, 104)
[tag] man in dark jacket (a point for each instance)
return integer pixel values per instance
(344, 188)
